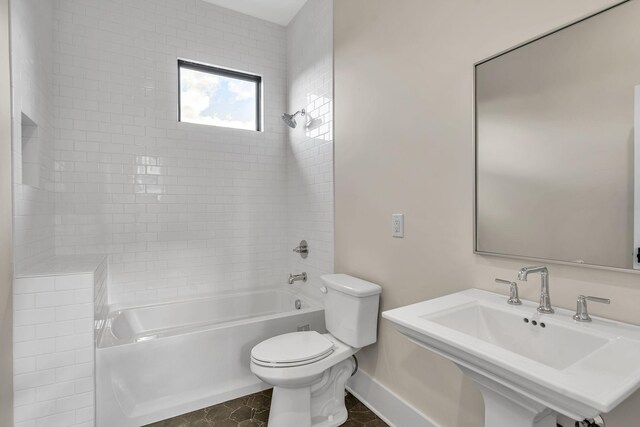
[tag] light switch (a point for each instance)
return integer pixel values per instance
(397, 225)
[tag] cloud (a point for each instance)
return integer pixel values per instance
(225, 122)
(198, 90)
(242, 90)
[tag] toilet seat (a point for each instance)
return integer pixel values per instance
(292, 349)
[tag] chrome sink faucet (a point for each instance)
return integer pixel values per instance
(545, 299)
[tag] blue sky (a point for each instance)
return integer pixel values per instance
(215, 100)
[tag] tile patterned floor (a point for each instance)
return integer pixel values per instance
(253, 411)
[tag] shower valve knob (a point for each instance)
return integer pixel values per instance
(303, 249)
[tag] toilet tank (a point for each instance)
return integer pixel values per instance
(351, 309)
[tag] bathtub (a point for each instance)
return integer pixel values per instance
(158, 361)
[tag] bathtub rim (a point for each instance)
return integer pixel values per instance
(105, 333)
(196, 297)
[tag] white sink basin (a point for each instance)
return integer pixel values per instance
(553, 363)
(556, 346)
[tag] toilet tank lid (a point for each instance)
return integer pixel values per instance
(351, 285)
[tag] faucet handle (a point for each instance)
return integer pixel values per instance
(582, 313)
(596, 299)
(513, 291)
(302, 249)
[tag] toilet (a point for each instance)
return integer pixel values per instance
(309, 370)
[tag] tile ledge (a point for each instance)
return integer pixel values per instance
(63, 265)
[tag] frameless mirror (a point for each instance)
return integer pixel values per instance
(557, 159)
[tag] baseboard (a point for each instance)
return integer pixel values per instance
(386, 404)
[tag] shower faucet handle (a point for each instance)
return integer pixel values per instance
(302, 249)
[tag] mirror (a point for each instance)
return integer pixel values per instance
(557, 159)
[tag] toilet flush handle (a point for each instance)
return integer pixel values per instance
(323, 289)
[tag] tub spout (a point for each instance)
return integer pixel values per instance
(296, 277)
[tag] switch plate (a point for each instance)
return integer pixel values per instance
(397, 225)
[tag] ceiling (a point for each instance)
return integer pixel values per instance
(277, 11)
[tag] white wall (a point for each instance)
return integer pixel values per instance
(32, 67)
(54, 346)
(403, 85)
(6, 229)
(181, 209)
(310, 149)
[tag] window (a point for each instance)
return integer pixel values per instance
(218, 97)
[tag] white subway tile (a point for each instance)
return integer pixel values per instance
(33, 379)
(24, 365)
(76, 281)
(58, 420)
(33, 284)
(73, 342)
(23, 333)
(76, 311)
(84, 385)
(75, 372)
(54, 299)
(24, 301)
(33, 348)
(55, 360)
(54, 391)
(24, 397)
(32, 411)
(85, 416)
(77, 402)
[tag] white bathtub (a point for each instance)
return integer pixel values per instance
(159, 361)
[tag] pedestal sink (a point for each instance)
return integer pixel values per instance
(528, 366)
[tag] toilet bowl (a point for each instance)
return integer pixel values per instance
(309, 391)
(309, 370)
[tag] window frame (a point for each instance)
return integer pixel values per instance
(223, 72)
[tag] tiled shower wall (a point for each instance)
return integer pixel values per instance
(181, 209)
(310, 147)
(32, 66)
(54, 352)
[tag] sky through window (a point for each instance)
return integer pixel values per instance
(218, 99)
